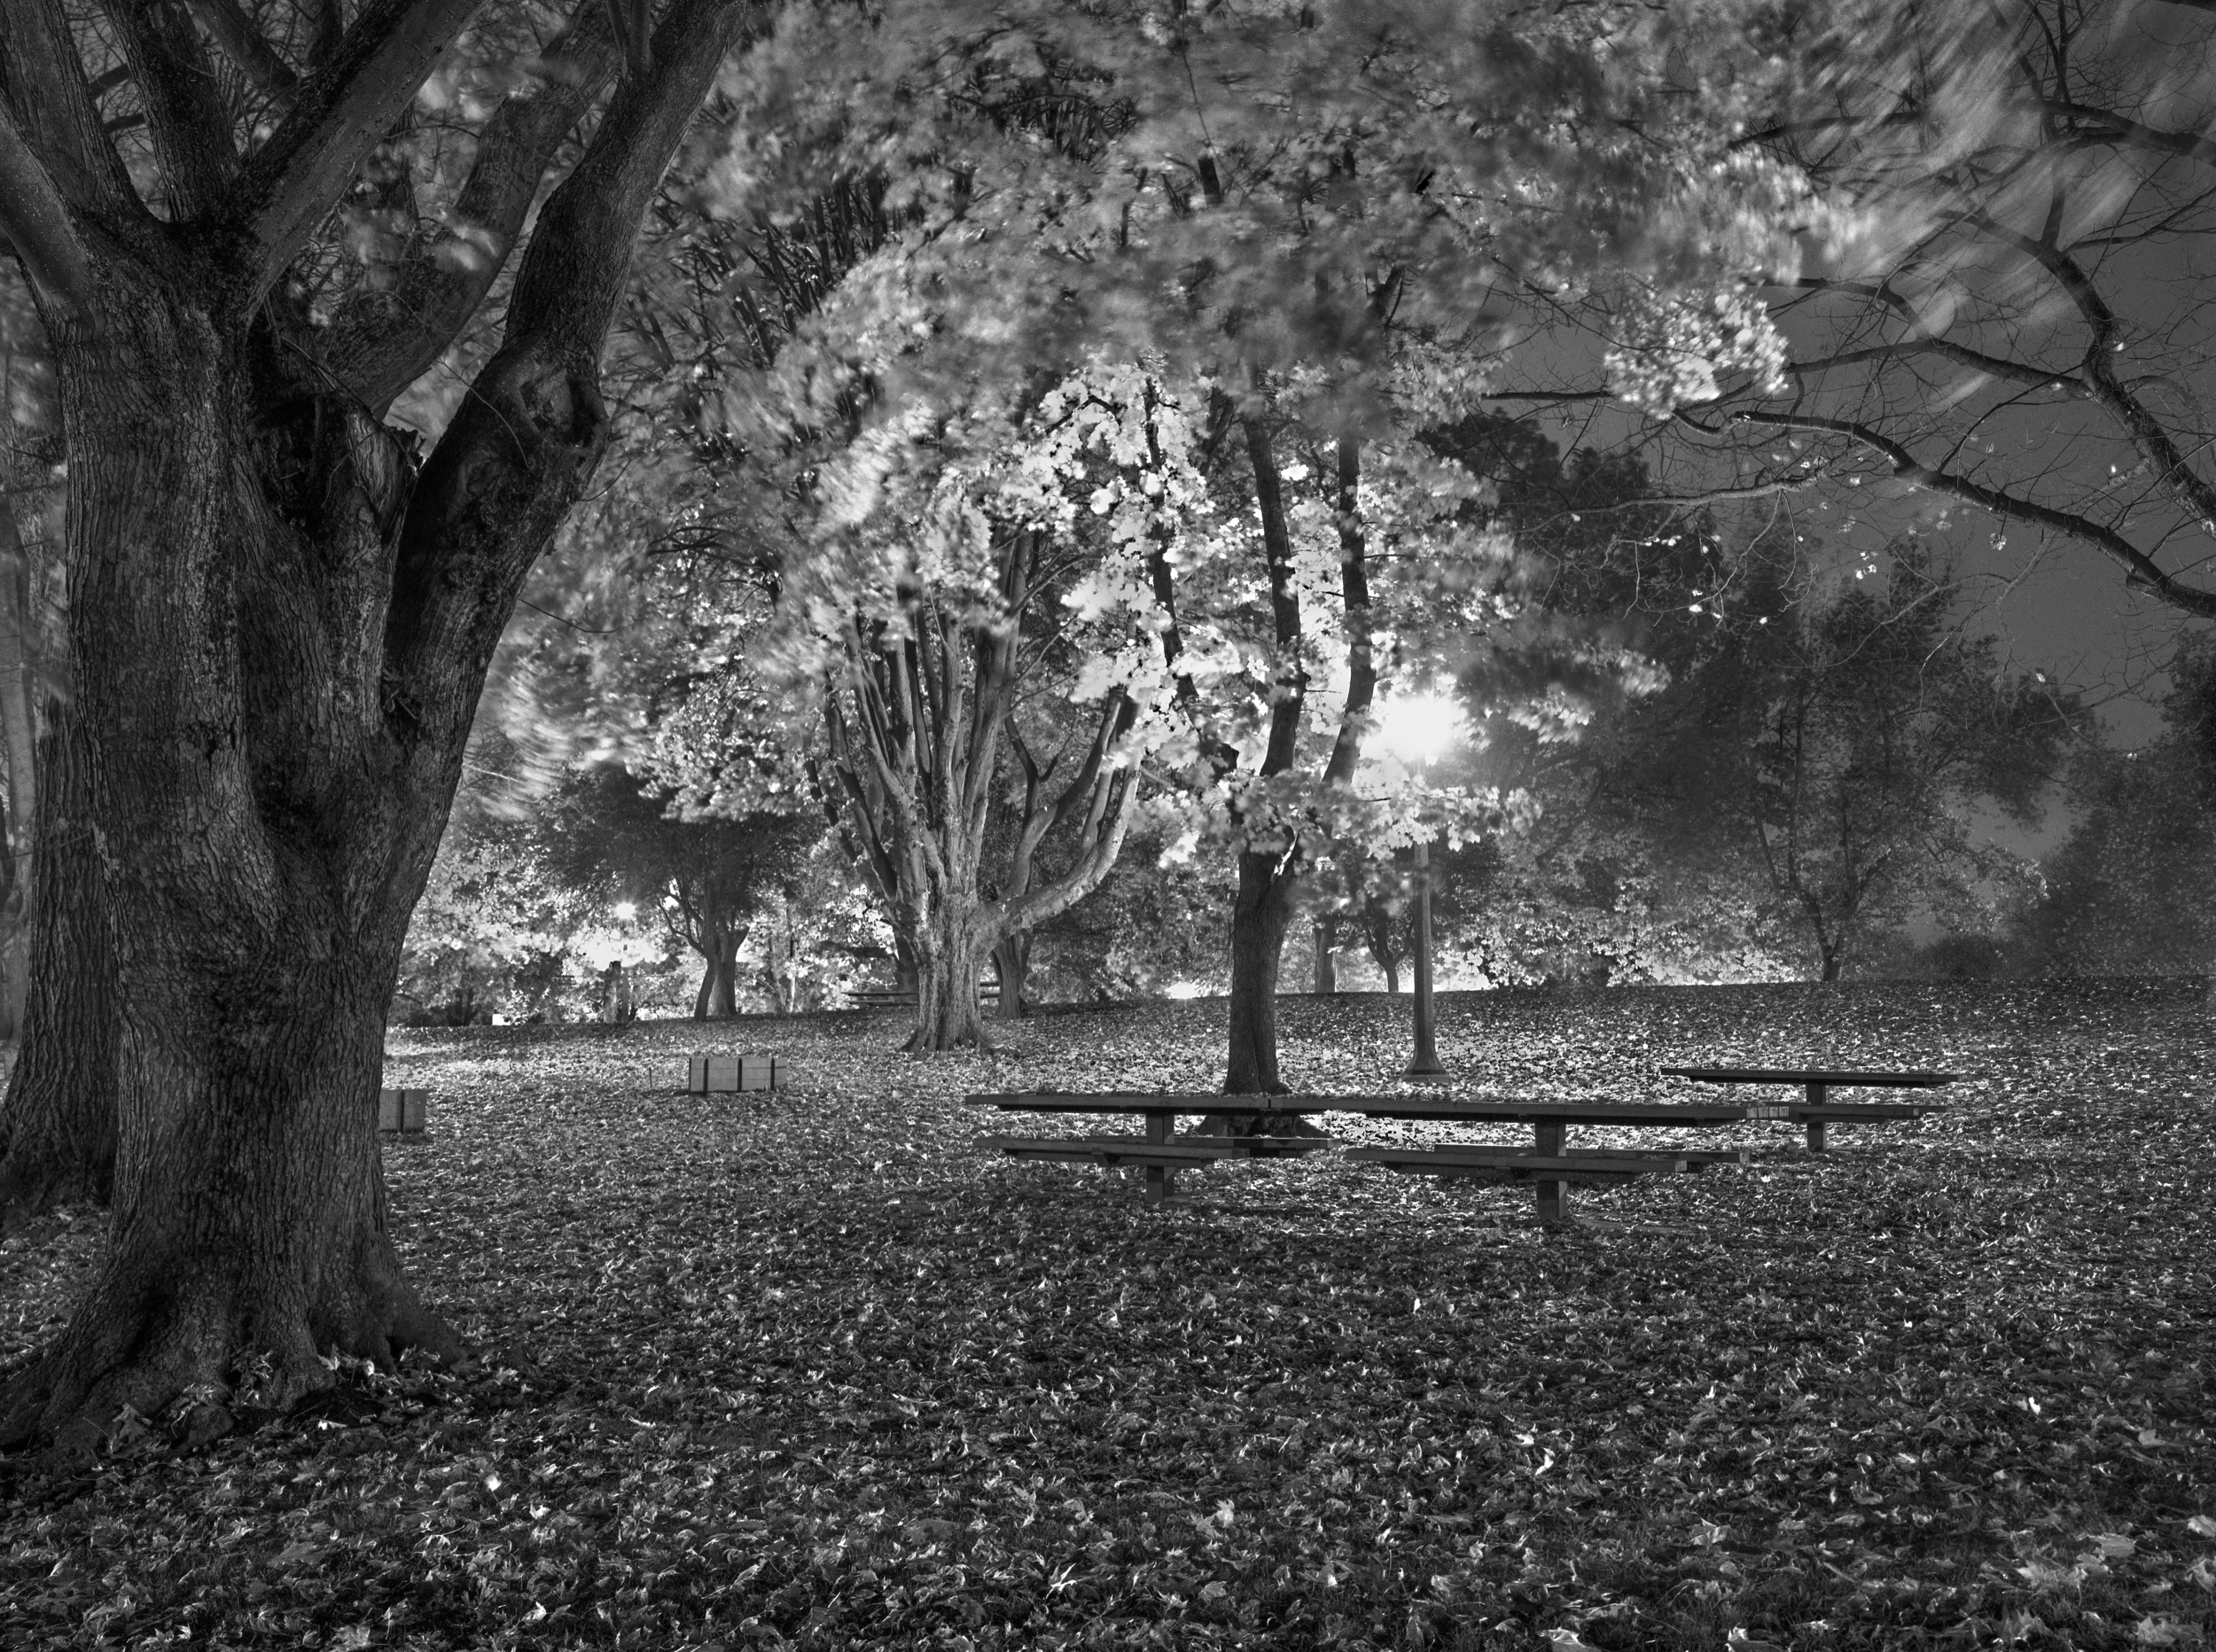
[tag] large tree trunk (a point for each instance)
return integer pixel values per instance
(277, 633)
(243, 814)
(58, 1124)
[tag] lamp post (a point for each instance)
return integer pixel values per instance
(1417, 729)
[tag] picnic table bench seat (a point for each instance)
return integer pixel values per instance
(1199, 1151)
(1159, 1152)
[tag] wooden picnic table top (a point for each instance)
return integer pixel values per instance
(1812, 1075)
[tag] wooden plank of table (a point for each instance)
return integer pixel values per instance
(1911, 1080)
(1694, 1115)
(1143, 1102)
(1108, 1151)
(1550, 1171)
(1850, 1112)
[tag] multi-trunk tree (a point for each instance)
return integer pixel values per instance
(280, 609)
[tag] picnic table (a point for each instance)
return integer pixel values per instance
(1157, 1149)
(1819, 1109)
(1550, 1166)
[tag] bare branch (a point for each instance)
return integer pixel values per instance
(2142, 568)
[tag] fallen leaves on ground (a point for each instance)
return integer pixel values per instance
(811, 1369)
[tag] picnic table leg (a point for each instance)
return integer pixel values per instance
(1554, 1201)
(1815, 1126)
(1158, 1176)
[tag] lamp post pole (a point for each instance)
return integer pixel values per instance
(1425, 1068)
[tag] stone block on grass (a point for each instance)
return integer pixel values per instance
(401, 1112)
(712, 1074)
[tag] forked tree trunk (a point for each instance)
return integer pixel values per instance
(58, 1124)
(951, 955)
(719, 981)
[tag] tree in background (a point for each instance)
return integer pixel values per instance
(704, 879)
(1842, 742)
(2131, 890)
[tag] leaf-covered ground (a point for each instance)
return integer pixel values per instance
(813, 1370)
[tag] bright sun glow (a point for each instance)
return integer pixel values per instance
(1419, 728)
(626, 910)
(1184, 989)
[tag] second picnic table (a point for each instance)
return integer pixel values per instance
(1819, 1109)
(1547, 1164)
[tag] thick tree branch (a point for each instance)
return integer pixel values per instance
(381, 342)
(43, 85)
(36, 225)
(177, 88)
(297, 176)
(234, 32)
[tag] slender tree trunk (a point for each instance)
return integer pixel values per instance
(1378, 936)
(1012, 962)
(59, 1119)
(1326, 941)
(734, 936)
(1260, 915)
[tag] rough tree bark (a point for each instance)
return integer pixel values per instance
(58, 1122)
(18, 676)
(278, 632)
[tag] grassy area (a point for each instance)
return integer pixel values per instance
(812, 1369)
